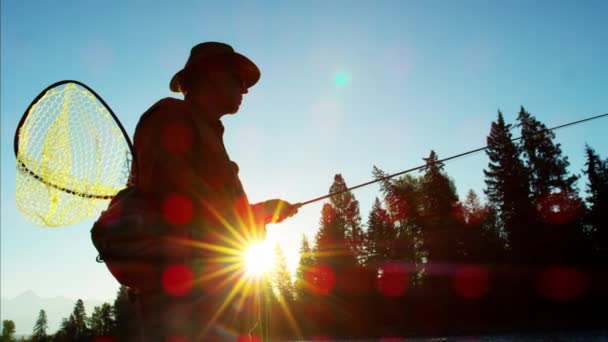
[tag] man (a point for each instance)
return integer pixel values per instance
(183, 172)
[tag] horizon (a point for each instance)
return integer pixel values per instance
(56, 308)
(343, 88)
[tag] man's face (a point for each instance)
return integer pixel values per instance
(228, 90)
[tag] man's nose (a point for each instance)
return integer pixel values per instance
(244, 89)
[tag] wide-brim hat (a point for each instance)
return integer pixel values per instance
(215, 51)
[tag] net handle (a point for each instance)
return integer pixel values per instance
(114, 117)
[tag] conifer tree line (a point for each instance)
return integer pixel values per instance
(531, 255)
(534, 212)
(536, 240)
(107, 323)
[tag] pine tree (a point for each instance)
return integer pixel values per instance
(546, 166)
(474, 216)
(67, 331)
(126, 316)
(40, 327)
(282, 276)
(473, 211)
(80, 317)
(403, 198)
(348, 216)
(102, 322)
(108, 320)
(74, 327)
(482, 239)
(597, 199)
(380, 236)
(331, 247)
(494, 240)
(555, 199)
(78, 323)
(304, 264)
(8, 331)
(95, 322)
(440, 208)
(507, 189)
(551, 188)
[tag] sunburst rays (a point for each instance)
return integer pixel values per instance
(225, 271)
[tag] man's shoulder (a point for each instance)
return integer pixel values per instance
(166, 108)
(170, 104)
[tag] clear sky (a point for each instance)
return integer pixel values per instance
(345, 85)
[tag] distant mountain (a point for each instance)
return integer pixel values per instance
(24, 309)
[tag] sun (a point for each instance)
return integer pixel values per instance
(259, 259)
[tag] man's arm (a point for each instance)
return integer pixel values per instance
(274, 210)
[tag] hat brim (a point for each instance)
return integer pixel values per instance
(247, 70)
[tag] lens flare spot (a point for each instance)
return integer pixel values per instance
(342, 78)
(177, 209)
(562, 284)
(471, 282)
(320, 280)
(177, 280)
(392, 280)
(248, 338)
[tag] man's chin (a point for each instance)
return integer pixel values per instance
(234, 110)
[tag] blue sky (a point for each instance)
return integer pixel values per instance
(345, 85)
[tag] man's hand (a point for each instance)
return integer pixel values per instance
(277, 210)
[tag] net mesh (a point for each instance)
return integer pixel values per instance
(72, 158)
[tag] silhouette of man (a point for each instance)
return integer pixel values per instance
(192, 188)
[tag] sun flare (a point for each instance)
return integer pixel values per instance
(259, 259)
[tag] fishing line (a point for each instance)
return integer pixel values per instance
(421, 167)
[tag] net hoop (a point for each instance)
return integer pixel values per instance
(21, 163)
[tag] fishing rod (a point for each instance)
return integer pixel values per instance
(421, 167)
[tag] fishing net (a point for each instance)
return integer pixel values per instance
(72, 154)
